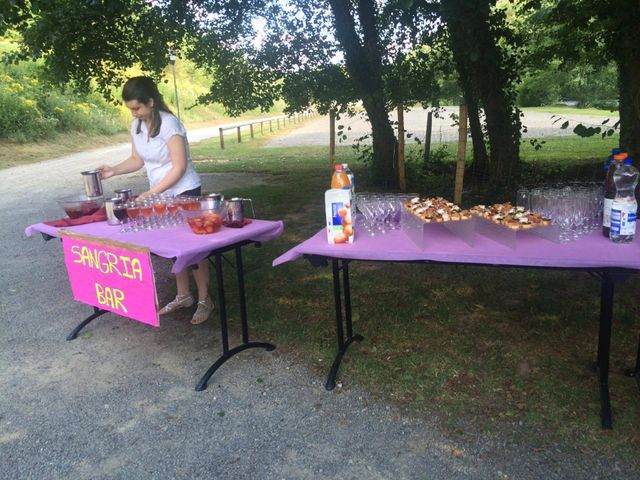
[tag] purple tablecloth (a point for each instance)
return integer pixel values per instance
(177, 242)
(590, 252)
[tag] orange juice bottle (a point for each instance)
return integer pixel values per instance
(340, 178)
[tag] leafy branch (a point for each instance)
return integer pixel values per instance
(586, 130)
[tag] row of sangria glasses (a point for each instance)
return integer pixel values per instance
(155, 211)
(575, 207)
(380, 212)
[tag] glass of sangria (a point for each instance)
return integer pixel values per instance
(146, 211)
(133, 212)
(160, 211)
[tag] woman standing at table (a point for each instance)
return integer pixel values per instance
(159, 143)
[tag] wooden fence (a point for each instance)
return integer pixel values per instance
(271, 122)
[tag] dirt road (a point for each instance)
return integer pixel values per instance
(316, 132)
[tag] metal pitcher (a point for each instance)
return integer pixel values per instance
(235, 212)
(92, 183)
(124, 194)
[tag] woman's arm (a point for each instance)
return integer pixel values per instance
(178, 157)
(131, 164)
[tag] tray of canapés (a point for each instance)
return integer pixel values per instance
(425, 220)
(501, 222)
(514, 218)
(436, 210)
(504, 223)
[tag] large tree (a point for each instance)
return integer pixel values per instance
(479, 41)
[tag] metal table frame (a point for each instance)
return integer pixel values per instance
(608, 277)
(215, 258)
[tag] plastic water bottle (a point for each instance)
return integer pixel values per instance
(610, 191)
(625, 206)
(349, 173)
(352, 188)
(607, 162)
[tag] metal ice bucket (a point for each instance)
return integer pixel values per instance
(213, 200)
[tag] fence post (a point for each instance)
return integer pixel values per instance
(427, 138)
(462, 151)
(270, 126)
(239, 136)
(261, 130)
(251, 129)
(332, 137)
(221, 139)
(401, 177)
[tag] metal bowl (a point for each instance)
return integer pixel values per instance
(76, 206)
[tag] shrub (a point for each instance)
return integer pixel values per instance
(21, 120)
(538, 90)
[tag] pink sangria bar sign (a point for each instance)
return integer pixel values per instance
(111, 275)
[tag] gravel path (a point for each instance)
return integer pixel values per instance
(119, 402)
(316, 132)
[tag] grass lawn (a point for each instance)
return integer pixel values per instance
(499, 351)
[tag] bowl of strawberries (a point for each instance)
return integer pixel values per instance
(204, 221)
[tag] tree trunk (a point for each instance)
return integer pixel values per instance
(504, 141)
(629, 107)
(479, 169)
(364, 65)
(483, 75)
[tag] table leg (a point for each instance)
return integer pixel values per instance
(343, 343)
(96, 313)
(604, 344)
(222, 314)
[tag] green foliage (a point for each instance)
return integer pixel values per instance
(95, 41)
(552, 82)
(325, 89)
(541, 88)
(32, 110)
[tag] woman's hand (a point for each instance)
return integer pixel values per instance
(106, 171)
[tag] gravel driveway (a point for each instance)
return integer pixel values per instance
(119, 402)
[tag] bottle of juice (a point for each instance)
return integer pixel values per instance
(610, 192)
(624, 207)
(340, 179)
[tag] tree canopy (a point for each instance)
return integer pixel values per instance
(334, 54)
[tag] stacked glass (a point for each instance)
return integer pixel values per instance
(575, 208)
(380, 212)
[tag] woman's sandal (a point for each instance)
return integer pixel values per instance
(205, 307)
(181, 301)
